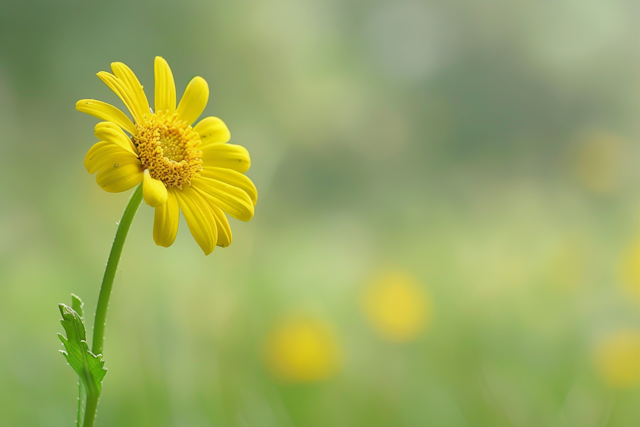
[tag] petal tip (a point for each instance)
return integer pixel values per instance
(161, 243)
(116, 65)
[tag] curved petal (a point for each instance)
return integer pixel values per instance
(132, 83)
(222, 223)
(212, 130)
(228, 156)
(111, 132)
(153, 190)
(231, 177)
(105, 152)
(116, 178)
(165, 222)
(194, 100)
(118, 86)
(224, 230)
(107, 112)
(199, 218)
(165, 91)
(230, 199)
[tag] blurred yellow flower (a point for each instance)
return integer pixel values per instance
(630, 271)
(302, 349)
(181, 167)
(617, 359)
(397, 306)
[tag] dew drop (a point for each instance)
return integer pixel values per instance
(116, 165)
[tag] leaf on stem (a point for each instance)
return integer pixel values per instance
(76, 305)
(89, 367)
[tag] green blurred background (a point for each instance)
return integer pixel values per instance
(447, 233)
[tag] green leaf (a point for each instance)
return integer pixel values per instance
(76, 305)
(89, 367)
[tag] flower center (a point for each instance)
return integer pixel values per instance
(168, 147)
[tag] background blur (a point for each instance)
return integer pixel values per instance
(447, 234)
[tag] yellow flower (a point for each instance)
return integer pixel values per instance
(181, 167)
(617, 359)
(302, 349)
(629, 271)
(397, 306)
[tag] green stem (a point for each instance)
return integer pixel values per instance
(92, 410)
(80, 398)
(105, 293)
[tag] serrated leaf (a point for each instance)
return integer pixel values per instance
(76, 305)
(89, 367)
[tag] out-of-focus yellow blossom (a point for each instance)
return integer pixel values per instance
(630, 271)
(302, 349)
(397, 306)
(618, 359)
(598, 160)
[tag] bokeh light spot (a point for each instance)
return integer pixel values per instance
(618, 359)
(396, 306)
(302, 348)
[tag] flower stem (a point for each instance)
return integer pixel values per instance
(92, 410)
(80, 401)
(105, 293)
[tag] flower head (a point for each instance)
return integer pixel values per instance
(181, 166)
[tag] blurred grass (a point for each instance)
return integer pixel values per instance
(488, 151)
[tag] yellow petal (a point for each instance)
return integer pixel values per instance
(227, 156)
(118, 86)
(222, 223)
(116, 178)
(165, 223)
(224, 230)
(107, 112)
(230, 199)
(199, 218)
(212, 130)
(132, 83)
(233, 178)
(153, 190)
(165, 94)
(194, 100)
(108, 131)
(105, 152)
